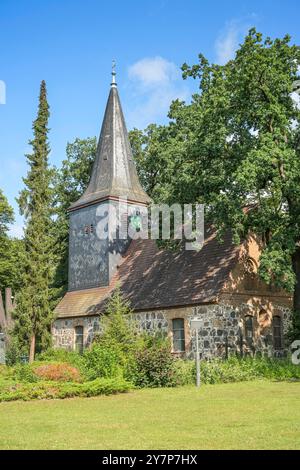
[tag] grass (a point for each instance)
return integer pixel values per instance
(247, 415)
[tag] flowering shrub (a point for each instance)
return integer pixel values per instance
(59, 372)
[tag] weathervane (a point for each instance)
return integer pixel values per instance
(113, 73)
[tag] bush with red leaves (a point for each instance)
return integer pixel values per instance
(60, 372)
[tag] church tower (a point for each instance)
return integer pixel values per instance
(92, 256)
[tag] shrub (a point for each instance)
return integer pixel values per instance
(95, 388)
(103, 361)
(15, 352)
(154, 366)
(50, 390)
(4, 370)
(59, 372)
(113, 351)
(24, 373)
(232, 370)
(119, 330)
(236, 370)
(60, 355)
(185, 372)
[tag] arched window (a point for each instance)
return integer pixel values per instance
(79, 339)
(277, 332)
(249, 328)
(178, 335)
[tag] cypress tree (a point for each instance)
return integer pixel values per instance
(33, 313)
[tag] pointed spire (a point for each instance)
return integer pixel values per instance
(114, 174)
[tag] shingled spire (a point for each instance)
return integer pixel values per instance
(114, 174)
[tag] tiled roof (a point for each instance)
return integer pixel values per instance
(152, 278)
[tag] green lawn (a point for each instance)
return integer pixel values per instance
(248, 415)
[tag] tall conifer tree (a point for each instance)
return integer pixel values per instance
(33, 312)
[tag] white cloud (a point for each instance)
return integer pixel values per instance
(154, 83)
(152, 71)
(230, 37)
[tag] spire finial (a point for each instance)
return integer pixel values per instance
(113, 73)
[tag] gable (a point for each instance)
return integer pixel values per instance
(244, 278)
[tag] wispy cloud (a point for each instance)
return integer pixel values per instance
(2, 92)
(154, 83)
(231, 36)
(153, 71)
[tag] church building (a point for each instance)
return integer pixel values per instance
(218, 285)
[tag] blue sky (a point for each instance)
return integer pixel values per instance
(71, 43)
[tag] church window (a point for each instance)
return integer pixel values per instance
(178, 335)
(79, 339)
(249, 328)
(277, 332)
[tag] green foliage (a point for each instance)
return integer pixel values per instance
(119, 329)
(236, 370)
(122, 351)
(152, 154)
(246, 145)
(95, 388)
(15, 351)
(12, 252)
(113, 351)
(60, 355)
(154, 366)
(185, 371)
(294, 330)
(103, 361)
(33, 314)
(10, 249)
(24, 373)
(50, 390)
(6, 215)
(235, 146)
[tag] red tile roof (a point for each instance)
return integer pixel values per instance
(152, 278)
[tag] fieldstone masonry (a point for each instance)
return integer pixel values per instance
(63, 331)
(152, 321)
(222, 332)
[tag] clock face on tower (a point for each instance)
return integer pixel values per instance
(135, 221)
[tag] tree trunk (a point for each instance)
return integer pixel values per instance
(32, 348)
(296, 269)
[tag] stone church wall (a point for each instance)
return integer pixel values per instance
(223, 331)
(63, 331)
